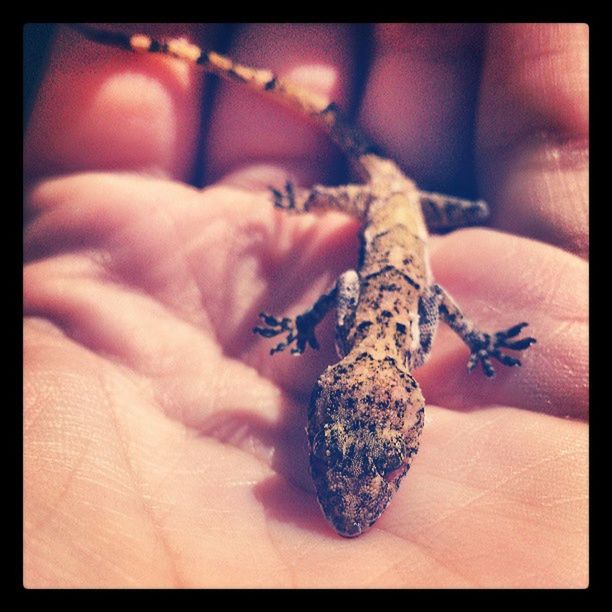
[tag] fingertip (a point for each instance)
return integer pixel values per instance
(420, 100)
(101, 108)
(249, 132)
(533, 132)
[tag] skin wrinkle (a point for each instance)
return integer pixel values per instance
(533, 132)
(118, 280)
(170, 223)
(517, 78)
(292, 575)
(115, 357)
(488, 424)
(170, 472)
(500, 485)
(454, 571)
(137, 485)
(77, 334)
(393, 568)
(38, 525)
(481, 493)
(190, 267)
(376, 529)
(554, 149)
(375, 579)
(223, 439)
(267, 460)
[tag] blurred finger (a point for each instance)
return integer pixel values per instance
(533, 132)
(248, 133)
(500, 280)
(420, 100)
(101, 108)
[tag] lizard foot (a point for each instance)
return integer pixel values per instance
(485, 346)
(302, 332)
(286, 199)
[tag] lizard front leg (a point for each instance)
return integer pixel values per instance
(301, 331)
(350, 199)
(483, 346)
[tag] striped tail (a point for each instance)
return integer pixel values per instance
(317, 107)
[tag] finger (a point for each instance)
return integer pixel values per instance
(420, 99)
(499, 280)
(105, 109)
(248, 133)
(96, 443)
(494, 473)
(533, 131)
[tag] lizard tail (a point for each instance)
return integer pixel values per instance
(327, 115)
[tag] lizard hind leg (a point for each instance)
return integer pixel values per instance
(443, 212)
(350, 199)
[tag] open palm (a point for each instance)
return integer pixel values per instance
(164, 447)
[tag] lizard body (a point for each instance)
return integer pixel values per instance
(366, 411)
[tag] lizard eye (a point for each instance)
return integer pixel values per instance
(391, 457)
(388, 463)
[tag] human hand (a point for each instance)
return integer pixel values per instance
(163, 446)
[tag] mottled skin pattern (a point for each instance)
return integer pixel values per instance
(363, 436)
(366, 412)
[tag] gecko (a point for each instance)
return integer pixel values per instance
(366, 411)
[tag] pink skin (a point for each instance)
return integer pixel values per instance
(164, 447)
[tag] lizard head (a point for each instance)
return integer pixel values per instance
(362, 437)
